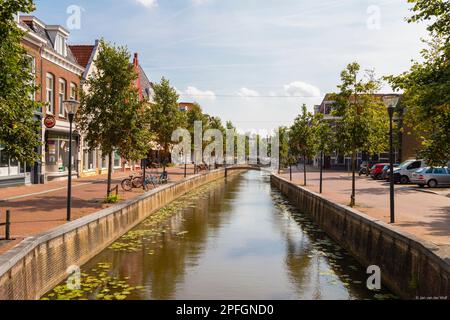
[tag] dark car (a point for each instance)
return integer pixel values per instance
(387, 172)
(376, 171)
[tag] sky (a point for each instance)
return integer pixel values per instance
(254, 62)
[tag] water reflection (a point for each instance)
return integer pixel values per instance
(238, 239)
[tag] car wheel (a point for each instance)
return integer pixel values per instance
(404, 180)
(432, 183)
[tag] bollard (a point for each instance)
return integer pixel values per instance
(8, 225)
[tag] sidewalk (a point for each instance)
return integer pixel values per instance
(424, 213)
(38, 208)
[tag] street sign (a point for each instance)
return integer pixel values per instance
(50, 122)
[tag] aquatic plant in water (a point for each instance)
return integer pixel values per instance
(99, 285)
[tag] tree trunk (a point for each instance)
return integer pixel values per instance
(110, 170)
(165, 158)
(304, 168)
(353, 198)
(321, 172)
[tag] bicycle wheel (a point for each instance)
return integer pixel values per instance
(137, 182)
(127, 185)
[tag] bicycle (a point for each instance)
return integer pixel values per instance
(133, 182)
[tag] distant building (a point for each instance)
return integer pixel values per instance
(186, 106)
(407, 148)
(57, 74)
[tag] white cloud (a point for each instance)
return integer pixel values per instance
(150, 4)
(199, 2)
(301, 89)
(196, 93)
(245, 92)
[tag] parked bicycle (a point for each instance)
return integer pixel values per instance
(136, 181)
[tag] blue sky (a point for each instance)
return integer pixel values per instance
(250, 61)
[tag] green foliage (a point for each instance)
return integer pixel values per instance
(426, 85)
(19, 131)
(111, 115)
(437, 11)
(302, 138)
(111, 199)
(364, 123)
(164, 115)
(324, 135)
(285, 154)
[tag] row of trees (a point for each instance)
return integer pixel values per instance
(361, 122)
(114, 119)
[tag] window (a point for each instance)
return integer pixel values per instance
(60, 45)
(50, 99)
(414, 165)
(62, 97)
(57, 153)
(439, 171)
(32, 66)
(73, 91)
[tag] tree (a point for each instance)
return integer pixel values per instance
(111, 116)
(164, 115)
(19, 130)
(302, 138)
(426, 85)
(325, 141)
(284, 153)
(362, 116)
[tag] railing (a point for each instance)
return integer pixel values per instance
(115, 190)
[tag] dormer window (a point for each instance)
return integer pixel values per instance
(60, 45)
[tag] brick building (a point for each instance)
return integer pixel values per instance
(57, 74)
(92, 162)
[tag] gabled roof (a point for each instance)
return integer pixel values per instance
(82, 53)
(39, 28)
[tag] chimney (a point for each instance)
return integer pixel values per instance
(138, 80)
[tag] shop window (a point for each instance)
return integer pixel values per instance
(89, 160)
(57, 155)
(8, 166)
(117, 163)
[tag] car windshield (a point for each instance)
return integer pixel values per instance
(422, 170)
(406, 163)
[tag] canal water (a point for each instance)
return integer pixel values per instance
(234, 239)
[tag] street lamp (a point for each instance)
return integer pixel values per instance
(71, 107)
(391, 103)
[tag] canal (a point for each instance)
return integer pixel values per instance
(234, 239)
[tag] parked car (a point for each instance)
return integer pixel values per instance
(376, 171)
(387, 171)
(431, 177)
(403, 173)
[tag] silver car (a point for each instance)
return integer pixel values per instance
(431, 177)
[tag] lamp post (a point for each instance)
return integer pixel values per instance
(71, 107)
(391, 102)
